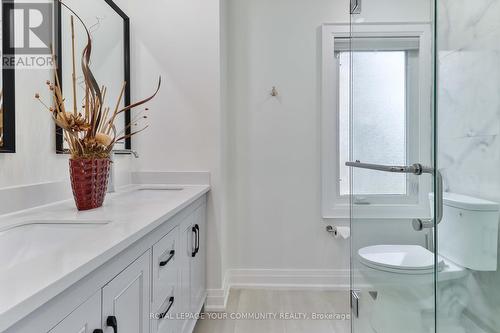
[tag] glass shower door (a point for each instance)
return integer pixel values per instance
(468, 90)
(386, 120)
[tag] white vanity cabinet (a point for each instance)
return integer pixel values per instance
(166, 283)
(197, 265)
(143, 289)
(85, 319)
(192, 265)
(126, 299)
(125, 304)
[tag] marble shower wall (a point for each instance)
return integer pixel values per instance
(469, 122)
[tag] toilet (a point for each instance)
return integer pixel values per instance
(404, 276)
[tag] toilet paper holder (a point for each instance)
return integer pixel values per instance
(334, 231)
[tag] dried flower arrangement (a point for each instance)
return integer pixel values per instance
(90, 130)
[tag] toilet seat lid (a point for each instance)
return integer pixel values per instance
(399, 257)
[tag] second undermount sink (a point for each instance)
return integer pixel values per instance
(160, 188)
(26, 240)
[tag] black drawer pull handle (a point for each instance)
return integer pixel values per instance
(98, 331)
(112, 322)
(165, 262)
(193, 253)
(197, 238)
(170, 304)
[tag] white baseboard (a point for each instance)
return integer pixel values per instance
(216, 300)
(276, 279)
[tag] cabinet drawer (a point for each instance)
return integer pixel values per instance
(165, 267)
(166, 320)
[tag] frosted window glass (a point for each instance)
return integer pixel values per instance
(378, 123)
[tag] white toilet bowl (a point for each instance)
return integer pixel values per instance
(404, 278)
(404, 275)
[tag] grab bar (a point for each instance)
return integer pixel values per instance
(415, 169)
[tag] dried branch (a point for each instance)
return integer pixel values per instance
(88, 131)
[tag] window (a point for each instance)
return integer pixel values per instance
(381, 139)
(374, 108)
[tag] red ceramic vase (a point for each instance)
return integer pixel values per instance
(89, 181)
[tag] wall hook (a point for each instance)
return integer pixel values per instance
(274, 92)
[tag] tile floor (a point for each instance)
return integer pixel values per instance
(279, 302)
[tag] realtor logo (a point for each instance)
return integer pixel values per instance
(29, 36)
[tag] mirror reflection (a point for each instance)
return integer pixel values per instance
(1, 115)
(108, 54)
(7, 89)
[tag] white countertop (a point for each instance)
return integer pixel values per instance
(46, 262)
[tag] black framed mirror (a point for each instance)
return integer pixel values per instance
(8, 93)
(110, 63)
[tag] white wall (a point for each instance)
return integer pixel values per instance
(395, 11)
(35, 160)
(274, 143)
(274, 167)
(179, 40)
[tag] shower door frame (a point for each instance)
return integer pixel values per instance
(431, 141)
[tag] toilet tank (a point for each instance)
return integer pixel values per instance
(468, 233)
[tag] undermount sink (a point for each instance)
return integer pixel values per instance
(24, 241)
(160, 188)
(55, 223)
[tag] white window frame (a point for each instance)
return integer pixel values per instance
(334, 205)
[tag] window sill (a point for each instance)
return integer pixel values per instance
(376, 212)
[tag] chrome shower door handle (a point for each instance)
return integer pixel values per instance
(415, 169)
(421, 224)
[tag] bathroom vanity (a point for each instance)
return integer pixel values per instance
(137, 265)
